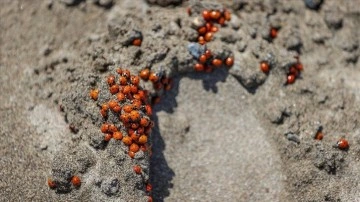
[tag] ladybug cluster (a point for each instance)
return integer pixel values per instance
(207, 30)
(75, 181)
(341, 144)
(159, 80)
(130, 104)
(207, 62)
(294, 72)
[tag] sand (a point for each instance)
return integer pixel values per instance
(231, 135)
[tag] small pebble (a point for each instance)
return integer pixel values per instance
(293, 137)
(313, 4)
(196, 49)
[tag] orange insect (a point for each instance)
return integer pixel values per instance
(148, 110)
(107, 137)
(143, 139)
(119, 70)
(134, 126)
(201, 40)
(137, 169)
(206, 15)
(202, 59)
(265, 67)
(127, 90)
(221, 21)
(94, 94)
(148, 187)
(114, 89)
(134, 147)
(140, 130)
(343, 144)
(199, 67)
(125, 118)
(120, 97)
(294, 71)
(135, 80)
(229, 61)
(136, 103)
(215, 15)
(299, 66)
(123, 80)
(208, 54)
(126, 73)
(144, 122)
(127, 140)
(127, 108)
(144, 74)
(112, 128)
(117, 135)
(136, 42)
(133, 89)
(131, 154)
(104, 128)
(319, 135)
(273, 33)
(217, 62)
(208, 36)
(202, 30)
(153, 77)
(227, 15)
(75, 180)
(51, 183)
(111, 80)
(291, 79)
(134, 115)
(214, 29)
(112, 104)
(134, 137)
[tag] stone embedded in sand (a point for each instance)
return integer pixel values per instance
(104, 3)
(313, 4)
(70, 2)
(196, 49)
(110, 186)
(165, 2)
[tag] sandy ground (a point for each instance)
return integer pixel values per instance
(229, 135)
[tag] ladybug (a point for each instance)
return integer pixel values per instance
(343, 144)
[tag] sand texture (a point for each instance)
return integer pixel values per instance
(234, 134)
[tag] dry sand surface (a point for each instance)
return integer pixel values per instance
(235, 134)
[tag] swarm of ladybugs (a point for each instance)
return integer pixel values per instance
(159, 80)
(130, 105)
(207, 30)
(75, 181)
(293, 72)
(207, 62)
